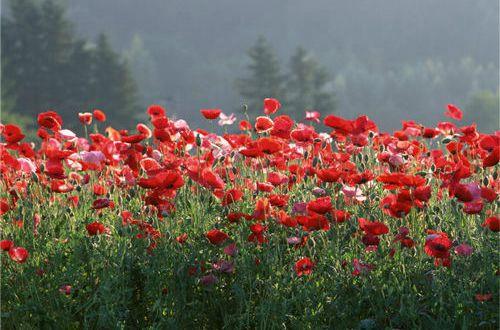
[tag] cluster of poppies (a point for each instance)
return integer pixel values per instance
(272, 173)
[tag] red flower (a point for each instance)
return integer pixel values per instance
(211, 114)
(245, 125)
(85, 118)
(271, 106)
(96, 228)
(12, 133)
(483, 297)
(18, 254)
(231, 196)
(437, 245)
(182, 238)
(99, 115)
(372, 227)
(6, 245)
(102, 203)
(50, 120)
(217, 237)
(263, 124)
(156, 111)
(304, 266)
(453, 112)
(321, 205)
(493, 223)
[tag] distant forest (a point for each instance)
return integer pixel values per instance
(390, 59)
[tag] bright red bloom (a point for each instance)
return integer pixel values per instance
(372, 227)
(155, 111)
(211, 114)
(263, 124)
(6, 245)
(18, 254)
(217, 237)
(96, 228)
(493, 223)
(85, 118)
(50, 120)
(99, 115)
(453, 112)
(437, 245)
(231, 196)
(271, 106)
(12, 133)
(245, 125)
(321, 205)
(304, 266)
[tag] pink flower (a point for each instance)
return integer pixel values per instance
(313, 116)
(464, 250)
(226, 120)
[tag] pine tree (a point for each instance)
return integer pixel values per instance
(112, 88)
(308, 85)
(50, 68)
(265, 79)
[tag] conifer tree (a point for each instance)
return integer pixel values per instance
(265, 79)
(307, 85)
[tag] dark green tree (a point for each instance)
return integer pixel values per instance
(112, 88)
(48, 67)
(308, 85)
(265, 79)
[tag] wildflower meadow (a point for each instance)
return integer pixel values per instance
(273, 222)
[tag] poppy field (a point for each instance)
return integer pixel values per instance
(320, 222)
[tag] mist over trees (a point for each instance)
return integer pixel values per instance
(390, 59)
(46, 66)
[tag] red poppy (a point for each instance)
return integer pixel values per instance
(18, 254)
(6, 244)
(372, 227)
(96, 228)
(483, 297)
(231, 196)
(493, 223)
(263, 124)
(12, 133)
(271, 106)
(99, 115)
(217, 237)
(156, 110)
(50, 120)
(321, 205)
(245, 125)
(453, 112)
(85, 118)
(304, 266)
(102, 203)
(211, 114)
(437, 245)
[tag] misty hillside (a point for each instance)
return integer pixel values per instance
(391, 59)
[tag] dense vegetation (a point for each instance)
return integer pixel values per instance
(278, 226)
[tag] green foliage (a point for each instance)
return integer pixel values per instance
(308, 85)
(265, 78)
(483, 109)
(49, 67)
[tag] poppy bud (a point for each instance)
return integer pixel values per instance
(495, 175)
(244, 107)
(485, 181)
(198, 140)
(315, 162)
(446, 140)
(306, 154)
